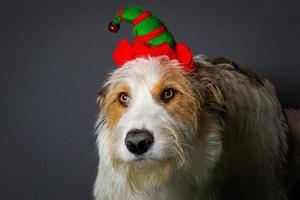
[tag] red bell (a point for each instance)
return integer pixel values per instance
(113, 27)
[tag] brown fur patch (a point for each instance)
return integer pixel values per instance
(112, 107)
(184, 106)
(148, 175)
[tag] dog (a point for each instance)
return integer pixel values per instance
(217, 133)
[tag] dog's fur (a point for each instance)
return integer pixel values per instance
(223, 135)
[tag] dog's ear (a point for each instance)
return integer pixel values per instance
(101, 96)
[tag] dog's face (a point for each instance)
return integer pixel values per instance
(150, 117)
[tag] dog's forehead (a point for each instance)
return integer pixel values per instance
(138, 73)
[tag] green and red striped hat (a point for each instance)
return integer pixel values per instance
(151, 38)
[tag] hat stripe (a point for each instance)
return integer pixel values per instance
(120, 12)
(149, 36)
(141, 17)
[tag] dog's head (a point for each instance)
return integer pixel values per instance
(151, 111)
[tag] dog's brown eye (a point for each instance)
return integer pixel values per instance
(124, 99)
(168, 94)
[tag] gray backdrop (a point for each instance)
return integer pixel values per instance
(56, 53)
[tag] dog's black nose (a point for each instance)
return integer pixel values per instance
(138, 141)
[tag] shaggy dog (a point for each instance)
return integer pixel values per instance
(217, 133)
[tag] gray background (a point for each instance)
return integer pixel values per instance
(55, 54)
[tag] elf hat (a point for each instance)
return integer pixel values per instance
(151, 38)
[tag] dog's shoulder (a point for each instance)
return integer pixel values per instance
(220, 65)
(292, 117)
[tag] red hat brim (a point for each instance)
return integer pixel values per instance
(126, 52)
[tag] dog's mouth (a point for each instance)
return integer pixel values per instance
(143, 159)
(139, 159)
